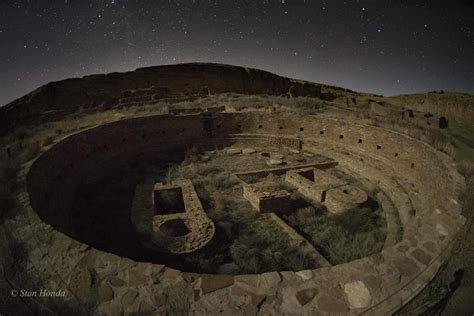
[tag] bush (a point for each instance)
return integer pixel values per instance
(251, 178)
(308, 103)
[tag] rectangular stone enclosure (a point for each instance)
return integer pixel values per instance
(267, 201)
(312, 182)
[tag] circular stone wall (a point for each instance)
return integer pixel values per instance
(420, 183)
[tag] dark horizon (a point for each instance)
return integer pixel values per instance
(381, 48)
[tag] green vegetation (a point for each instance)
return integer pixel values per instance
(308, 104)
(255, 244)
(355, 234)
(436, 291)
(258, 243)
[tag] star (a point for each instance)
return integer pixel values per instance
(67, 37)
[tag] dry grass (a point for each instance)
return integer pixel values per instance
(241, 102)
(355, 234)
(255, 243)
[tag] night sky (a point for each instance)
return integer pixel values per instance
(384, 47)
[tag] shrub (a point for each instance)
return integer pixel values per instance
(224, 181)
(251, 178)
(308, 103)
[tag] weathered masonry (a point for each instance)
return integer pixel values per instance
(170, 217)
(421, 183)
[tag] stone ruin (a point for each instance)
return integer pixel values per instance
(343, 198)
(420, 185)
(378, 284)
(170, 217)
(265, 197)
(322, 187)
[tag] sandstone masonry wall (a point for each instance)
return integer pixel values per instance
(387, 280)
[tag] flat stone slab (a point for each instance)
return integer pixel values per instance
(248, 151)
(421, 256)
(332, 302)
(234, 151)
(406, 266)
(263, 284)
(275, 162)
(306, 296)
(358, 295)
(211, 283)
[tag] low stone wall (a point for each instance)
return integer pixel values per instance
(300, 241)
(316, 188)
(375, 285)
(343, 198)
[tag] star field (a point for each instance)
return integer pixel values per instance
(384, 47)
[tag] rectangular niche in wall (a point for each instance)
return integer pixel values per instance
(308, 174)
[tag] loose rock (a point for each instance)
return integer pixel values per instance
(275, 162)
(234, 151)
(248, 151)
